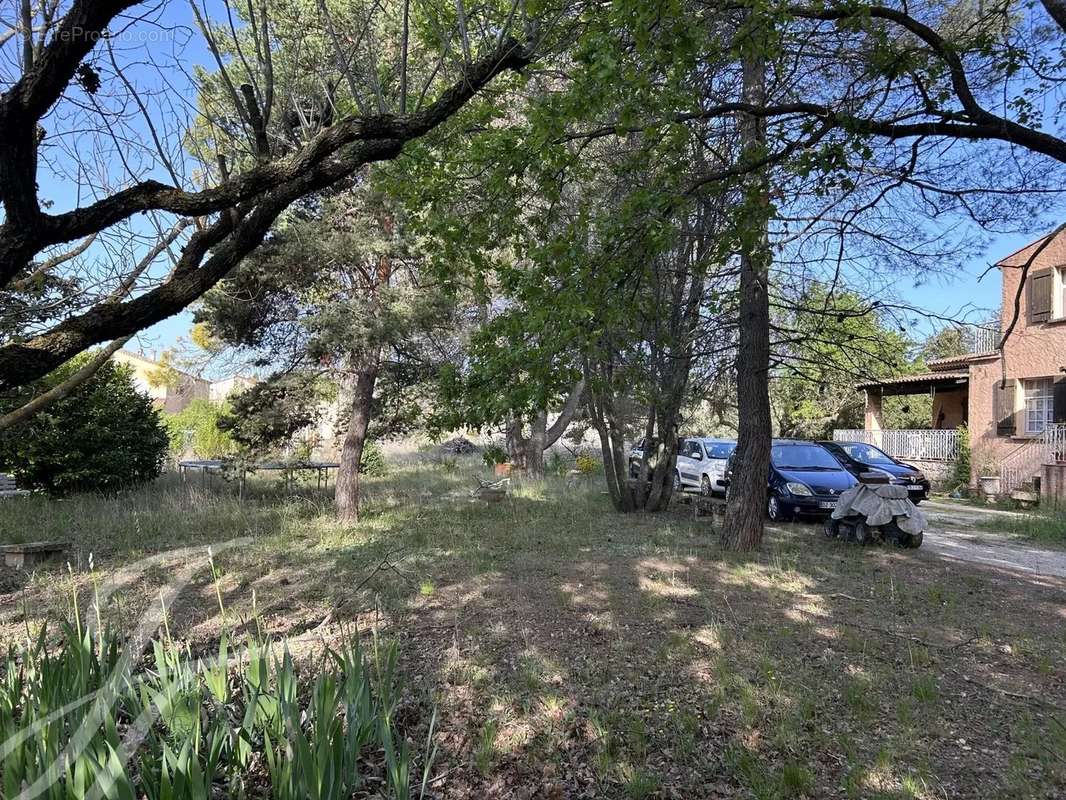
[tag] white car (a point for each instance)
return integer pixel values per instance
(701, 464)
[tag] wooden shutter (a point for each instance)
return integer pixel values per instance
(1059, 409)
(1040, 285)
(1003, 408)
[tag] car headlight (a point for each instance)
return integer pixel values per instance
(891, 478)
(799, 489)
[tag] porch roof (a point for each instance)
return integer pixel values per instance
(919, 383)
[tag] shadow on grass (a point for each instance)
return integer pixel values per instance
(571, 651)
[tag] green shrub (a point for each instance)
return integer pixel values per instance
(103, 436)
(196, 427)
(961, 475)
(373, 462)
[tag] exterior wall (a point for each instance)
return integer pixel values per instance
(986, 447)
(1053, 486)
(171, 399)
(950, 409)
(939, 473)
(1032, 351)
(219, 390)
(1038, 350)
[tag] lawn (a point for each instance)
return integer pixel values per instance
(572, 652)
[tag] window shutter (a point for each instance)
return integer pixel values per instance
(1003, 408)
(1040, 284)
(1060, 400)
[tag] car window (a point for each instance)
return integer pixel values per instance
(720, 450)
(802, 456)
(694, 450)
(867, 454)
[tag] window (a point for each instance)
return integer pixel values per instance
(802, 457)
(1039, 405)
(1060, 294)
(719, 450)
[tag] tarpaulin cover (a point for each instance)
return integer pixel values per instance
(880, 505)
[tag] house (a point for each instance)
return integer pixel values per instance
(170, 388)
(1012, 400)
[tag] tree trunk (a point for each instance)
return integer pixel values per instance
(527, 453)
(742, 528)
(346, 494)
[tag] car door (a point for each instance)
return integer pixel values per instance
(690, 464)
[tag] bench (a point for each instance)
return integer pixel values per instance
(29, 554)
(8, 487)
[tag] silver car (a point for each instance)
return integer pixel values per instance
(701, 464)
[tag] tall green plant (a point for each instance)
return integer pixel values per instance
(193, 726)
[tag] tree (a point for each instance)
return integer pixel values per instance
(826, 343)
(104, 436)
(272, 161)
(196, 428)
(336, 295)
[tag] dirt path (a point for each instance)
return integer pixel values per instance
(952, 535)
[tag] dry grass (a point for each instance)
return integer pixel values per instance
(574, 652)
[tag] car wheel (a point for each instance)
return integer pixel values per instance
(861, 533)
(705, 486)
(916, 540)
(774, 510)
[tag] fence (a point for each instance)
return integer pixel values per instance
(910, 445)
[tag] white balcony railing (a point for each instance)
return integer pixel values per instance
(908, 445)
(981, 338)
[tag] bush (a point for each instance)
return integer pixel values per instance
(961, 475)
(196, 427)
(103, 436)
(372, 463)
(587, 464)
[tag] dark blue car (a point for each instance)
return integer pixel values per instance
(805, 480)
(859, 458)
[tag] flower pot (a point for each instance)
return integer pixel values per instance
(989, 485)
(503, 470)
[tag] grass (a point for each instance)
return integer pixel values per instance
(1043, 527)
(586, 653)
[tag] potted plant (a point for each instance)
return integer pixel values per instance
(988, 479)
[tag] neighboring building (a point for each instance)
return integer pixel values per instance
(174, 395)
(1012, 401)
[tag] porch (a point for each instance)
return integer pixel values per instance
(950, 395)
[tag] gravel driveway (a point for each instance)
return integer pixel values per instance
(952, 534)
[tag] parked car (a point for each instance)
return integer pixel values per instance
(805, 480)
(701, 464)
(636, 453)
(860, 457)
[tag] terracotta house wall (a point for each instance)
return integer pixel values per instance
(949, 409)
(1032, 351)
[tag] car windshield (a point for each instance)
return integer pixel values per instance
(865, 453)
(719, 449)
(802, 457)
